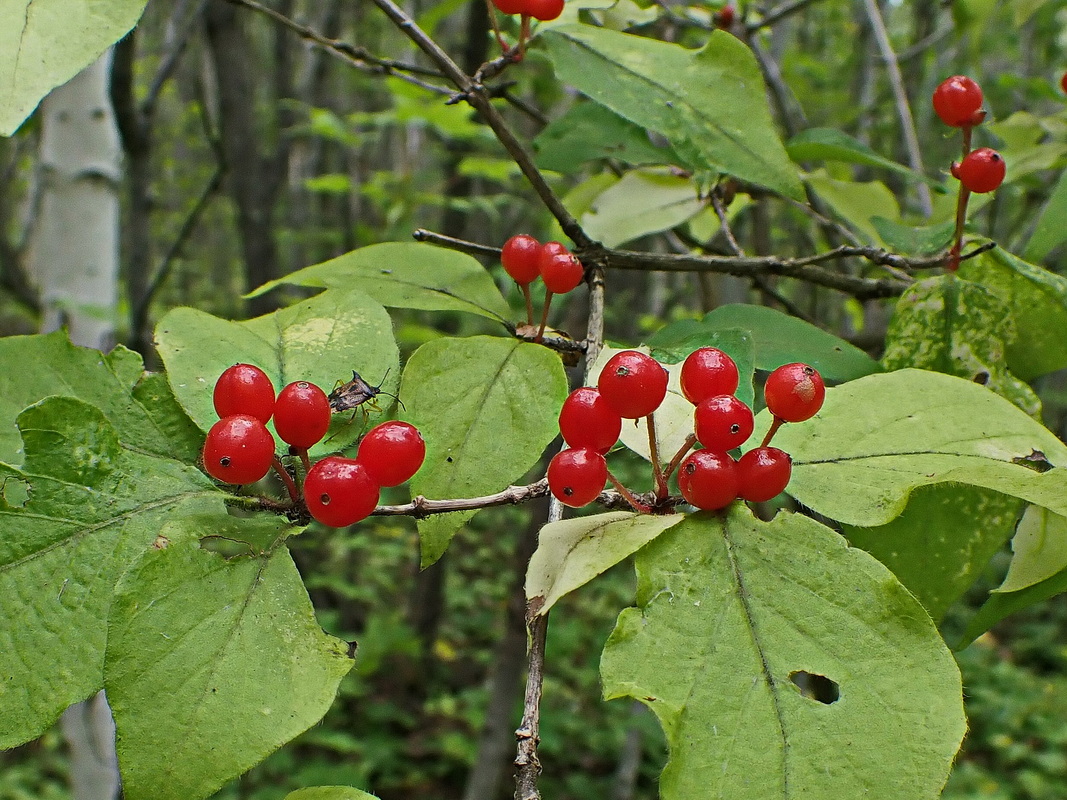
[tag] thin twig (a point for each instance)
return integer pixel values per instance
(172, 57)
(777, 14)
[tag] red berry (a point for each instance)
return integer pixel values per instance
(586, 420)
(302, 414)
(763, 473)
(339, 491)
(723, 422)
(724, 17)
(239, 449)
(544, 10)
(559, 269)
(392, 452)
(794, 392)
(708, 372)
(956, 100)
(244, 389)
(510, 6)
(576, 477)
(633, 384)
(981, 170)
(1063, 83)
(520, 256)
(708, 480)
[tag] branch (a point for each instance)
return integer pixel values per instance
(777, 14)
(421, 507)
(173, 55)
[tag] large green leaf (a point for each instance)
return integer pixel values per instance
(673, 343)
(214, 662)
(589, 131)
(1037, 299)
(1039, 549)
(1003, 604)
(711, 104)
(645, 201)
(407, 275)
(1050, 232)
(735, 616)
(329, 793)
(940, 544)
(137, 405)
(45, 43)
(833, 145)
(319, 340)
(959, 328)
(572, 552)
(878, 438)
(72, 519)
(487, 408)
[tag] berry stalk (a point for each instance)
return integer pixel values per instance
(653, 452)
(687, 445)
(287, 479)
(628, 496)
(544, 317)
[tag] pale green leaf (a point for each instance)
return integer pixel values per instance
(320, 340)
(1004, 604)
(885, 435)
(710, 104)
(734, 616)
(912, 240)
(589, 131)
(829, 144)
(645, 201)
(1037, 300)
(856, 202)
(406, 275)
(82, 507)
(941, 543)
(478, 402)
(45, 43)
(1050, 232)
(140, 409)
(959, 328)
(329, 793)
(1039, 549)
(572, 552)
(214, 662)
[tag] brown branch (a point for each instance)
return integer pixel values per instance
(777, 14)
(422, 507)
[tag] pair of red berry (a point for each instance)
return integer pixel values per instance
(337, 491)
(711, 478)
(525, 259)
(958, 102)
(543, 10)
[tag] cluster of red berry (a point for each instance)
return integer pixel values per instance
(335, 491)
(525, 259)
(633, 385)
(543, 10)
(958, 102)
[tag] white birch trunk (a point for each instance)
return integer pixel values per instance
(73, 259)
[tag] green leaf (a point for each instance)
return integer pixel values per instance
(1050, 232)
(781, 339)
(710, 104)
(919, 241)
(82, 507)
(1039, 549)
(829, 144)
(137, 406)
(645, 201)
(214, 662)
(572, 552)
(1004, 604)
(938, 547)
(734, 616)
(319, 340)
(1037, 299)
(478, 402)
(588, 132)
(673, 343)
(856, 202)
(329, 793)
(407, 275)
(45, 43)
(885, 435)
(959, 328)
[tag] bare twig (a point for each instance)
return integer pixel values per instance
(173, 55)
(777, 14)
(422, 507)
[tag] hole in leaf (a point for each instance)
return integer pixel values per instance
(816, 687)
(16, 492)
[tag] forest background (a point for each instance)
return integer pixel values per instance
(251, 150)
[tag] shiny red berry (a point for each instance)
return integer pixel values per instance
(1063, 83)
(763, 473)
(392, 452)
(576, 477)
(302, 414)
(559, 269)
(708, 480)
(544, 10)
(239, 449)
(794, 392)
(521, 256)
(586, 420)
(981, 170)
(339, 491)
(722, 423)
(956, 100)
(724, 18)
(510, 6)
(708, 372)
(244, 389)
(633, 384)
